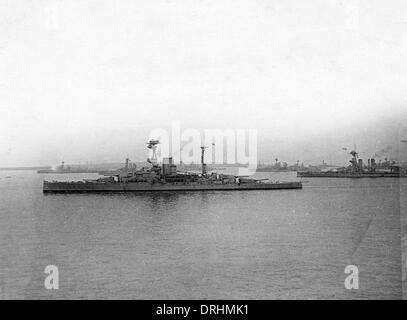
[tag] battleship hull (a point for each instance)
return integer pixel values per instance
(86, 187)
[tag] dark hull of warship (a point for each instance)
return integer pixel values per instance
(94, 187)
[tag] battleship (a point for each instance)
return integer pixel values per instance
(284, 167)
(357, 169)
(164, 177)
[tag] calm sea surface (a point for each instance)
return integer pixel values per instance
(281, 244)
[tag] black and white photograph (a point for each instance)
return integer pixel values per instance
(202, 150)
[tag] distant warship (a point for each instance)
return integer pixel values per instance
(165, 177)
(357, 169)
(67, 169)
(284, 167)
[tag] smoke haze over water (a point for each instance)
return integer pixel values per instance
(88, 80)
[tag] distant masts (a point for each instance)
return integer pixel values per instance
(152, 145)
(202, 160)
(213, 153)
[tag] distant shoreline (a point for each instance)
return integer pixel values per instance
(24, 168)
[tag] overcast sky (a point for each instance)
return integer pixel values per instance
(88, 80)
